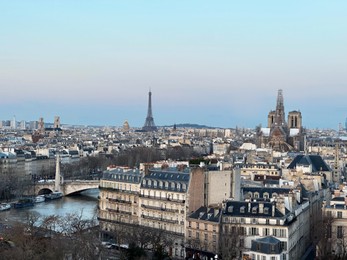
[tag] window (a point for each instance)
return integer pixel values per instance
(197, 235)
(256, 195)
(273, 248)
(266, 232)
(214, 238)
(339, 214)
(283, 233)
(189, 233)
(254, 231)
(254, 210)
(189, 224)
(205, 226)
(266, 210)
(242, 209)
(339, 232)
(230, 209)
(284, 246)
(258, 247)
(206, 236)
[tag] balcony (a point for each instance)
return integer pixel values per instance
(161, 198)
(120, 201)
(159, 208)
(160, 219)
(119, 211)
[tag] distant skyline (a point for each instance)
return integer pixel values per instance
(210, 63)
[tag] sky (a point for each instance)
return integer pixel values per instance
(216, 63)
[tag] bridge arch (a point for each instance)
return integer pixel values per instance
(44, 191)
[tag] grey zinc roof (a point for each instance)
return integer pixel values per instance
(121, 175)
(267, 245)
(207, 214)
(167, 179)
(317, 162)
(262, 190)
(250, 209)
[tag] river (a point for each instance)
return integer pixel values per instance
(85, 203)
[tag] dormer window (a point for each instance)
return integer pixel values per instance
(184, 187)
(242, 209)
(230, 209)
(254, 210)
(266, 210)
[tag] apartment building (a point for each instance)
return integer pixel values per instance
(119, 199)
(159, 200)
(203, 232)
(245, 221)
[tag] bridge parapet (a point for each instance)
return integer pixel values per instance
(68, 187)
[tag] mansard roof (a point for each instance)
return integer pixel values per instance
(206, 214)
(251, 209)
(269, 190)
(123, 175)
(167, 179)
(316, 161)
(267, 245)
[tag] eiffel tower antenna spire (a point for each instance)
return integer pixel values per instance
(149, 123)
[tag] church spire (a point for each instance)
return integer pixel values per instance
(279, 114)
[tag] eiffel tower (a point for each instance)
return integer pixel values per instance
(149, 123)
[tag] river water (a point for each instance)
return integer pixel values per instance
(84, 204)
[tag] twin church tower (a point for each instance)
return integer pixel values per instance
(280, 135)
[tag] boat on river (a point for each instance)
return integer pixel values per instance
(23, 203)
(5, 206)
(40, 198)
(54, 195)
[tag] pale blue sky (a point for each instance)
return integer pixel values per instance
(216, 63)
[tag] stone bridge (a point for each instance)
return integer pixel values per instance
(67, 187)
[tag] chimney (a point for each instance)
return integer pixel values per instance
(261, 208)
(273, 209)
(249, 206)
(280, 206)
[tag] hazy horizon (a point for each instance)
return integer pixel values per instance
(215, 64)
